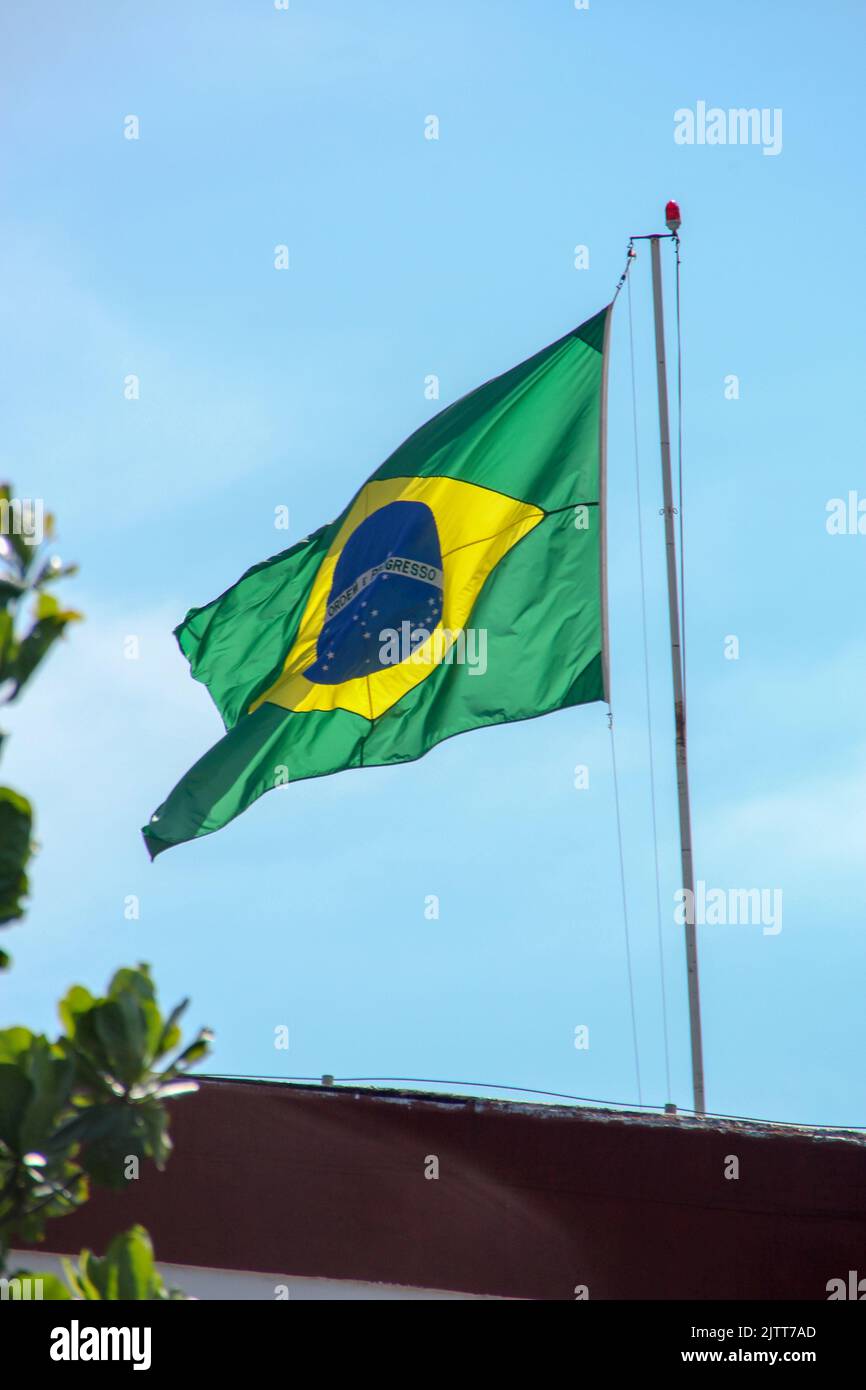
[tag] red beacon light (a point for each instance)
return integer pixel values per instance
(672, 216)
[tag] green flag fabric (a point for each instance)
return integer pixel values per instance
(463, 586)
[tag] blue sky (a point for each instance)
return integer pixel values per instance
(262, 388)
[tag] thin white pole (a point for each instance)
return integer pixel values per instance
(679, 698)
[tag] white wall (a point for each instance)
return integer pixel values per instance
(232, 1285)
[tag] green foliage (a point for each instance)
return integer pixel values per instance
(50, 1287)
(16, 823)
(89, 1106)
(82, 1107)
(126, 1271)
(38, 1175)
(26, 572)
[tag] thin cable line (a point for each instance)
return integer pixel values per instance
(624, 905)
(629, 257)
(660, 933)
(526, 1090)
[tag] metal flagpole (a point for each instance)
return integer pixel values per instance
(677, 668)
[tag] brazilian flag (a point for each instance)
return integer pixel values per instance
(462, 586)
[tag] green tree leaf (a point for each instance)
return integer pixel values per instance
(16, 824)
(125, 1272)
(16, 1093)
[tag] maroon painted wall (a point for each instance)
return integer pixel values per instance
(530, 1201)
